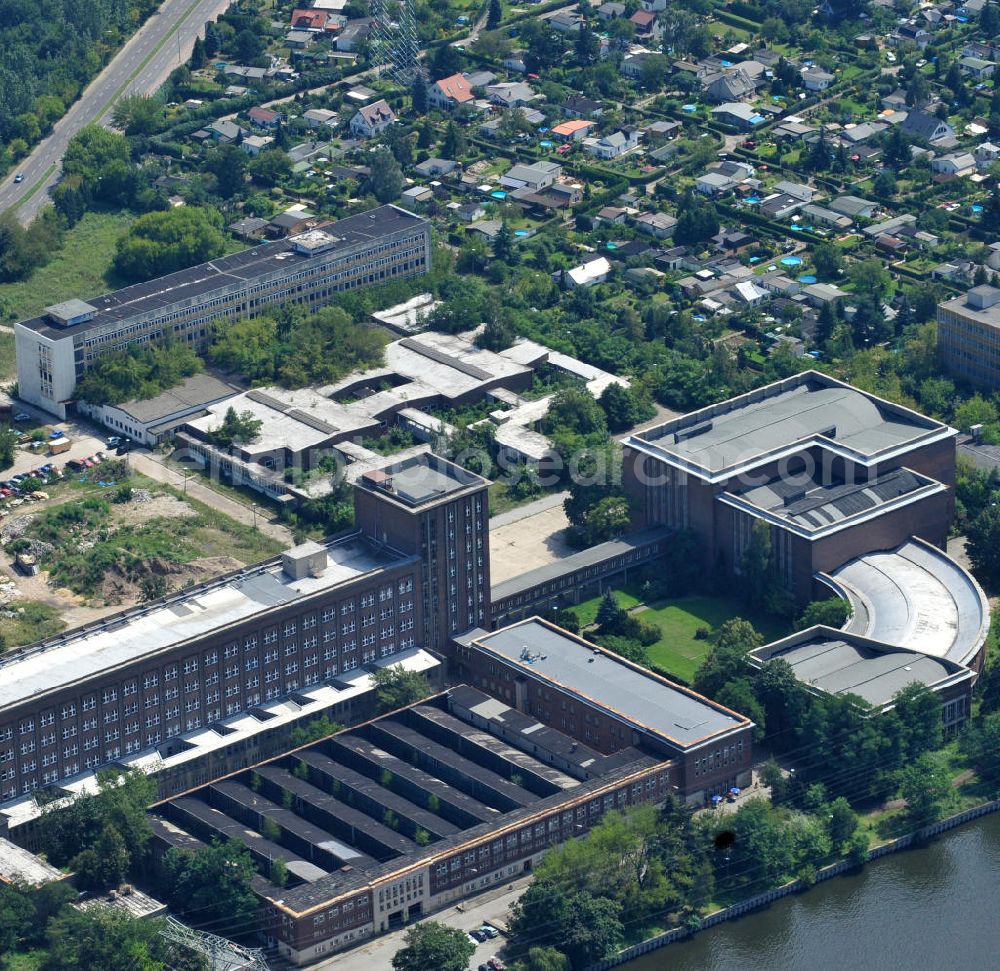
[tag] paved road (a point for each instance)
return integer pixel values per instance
(140, 67)
(146, 463)
(493, 905)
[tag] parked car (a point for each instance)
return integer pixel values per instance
(19, 177)
(114, 441)
(56, 433)
(477, 934)
(490, 932)
(22, 416)
(496, 964)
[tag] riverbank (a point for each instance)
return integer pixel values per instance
(765, 899)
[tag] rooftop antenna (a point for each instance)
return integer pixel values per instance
(395, 45)
(222, 954)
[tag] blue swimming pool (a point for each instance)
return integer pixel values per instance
(521, 232)
(545, 143)
(791, 261)
(499, 194)
(807, 278)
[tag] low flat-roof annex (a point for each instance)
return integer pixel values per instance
(627, 691)
(838, 662)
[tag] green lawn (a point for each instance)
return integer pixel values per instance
(8, 364)
(77, 270)
(35, 622)
(678, 651)
(29, 961)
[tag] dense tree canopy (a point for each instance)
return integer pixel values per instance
(136, 373)
(434, 945)
(162, 242)
(395, 687)
(296, 349)
(211, 885)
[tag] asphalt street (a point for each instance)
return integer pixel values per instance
(140, 67)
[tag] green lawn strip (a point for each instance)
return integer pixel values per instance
(77, 270)
(37, 187)
(8, 361)
(35, 622)
(678, 651)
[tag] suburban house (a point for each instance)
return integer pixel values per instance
(955, 163)
(646, 25)
(728, 86)
(572, 131)
(658, 224)
(927, 127)
(737, 115)
(975, 67)
(614, 145)
(585, 275)
(372, 119)
(317, 117)
(432, 167)
(715, 184)
(579, 106)
(511, 94)
(514, 61)
(534, 176)
(264, 117)
(255, 144)
(813, 79)
(448, 92)
(567, 22)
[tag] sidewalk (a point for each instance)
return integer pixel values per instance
(147, 464)
(492, 905)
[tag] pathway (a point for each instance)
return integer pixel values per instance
(193, 485)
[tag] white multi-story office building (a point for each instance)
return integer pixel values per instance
(56, 348)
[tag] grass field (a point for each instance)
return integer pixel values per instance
(678, 650)
(8, 363)
(37, 622)
(77, 270)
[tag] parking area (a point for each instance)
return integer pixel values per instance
(491, 907)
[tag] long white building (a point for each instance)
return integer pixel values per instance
(56, 348)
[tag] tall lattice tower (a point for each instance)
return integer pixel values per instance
(394, 42)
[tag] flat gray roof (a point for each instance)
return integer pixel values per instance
(422, 479)
(193, 392)
(226, 271)
(132, 635)
(626, 690)
(592, 556)
(809, 407)
(840, 663)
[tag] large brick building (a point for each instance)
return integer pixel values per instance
(609, 703)
(141, 679)
(408, 813)
(833, 471)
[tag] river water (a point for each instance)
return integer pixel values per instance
(921, 910)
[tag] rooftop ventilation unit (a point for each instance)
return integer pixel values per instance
(306, 560)
(685, 433)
